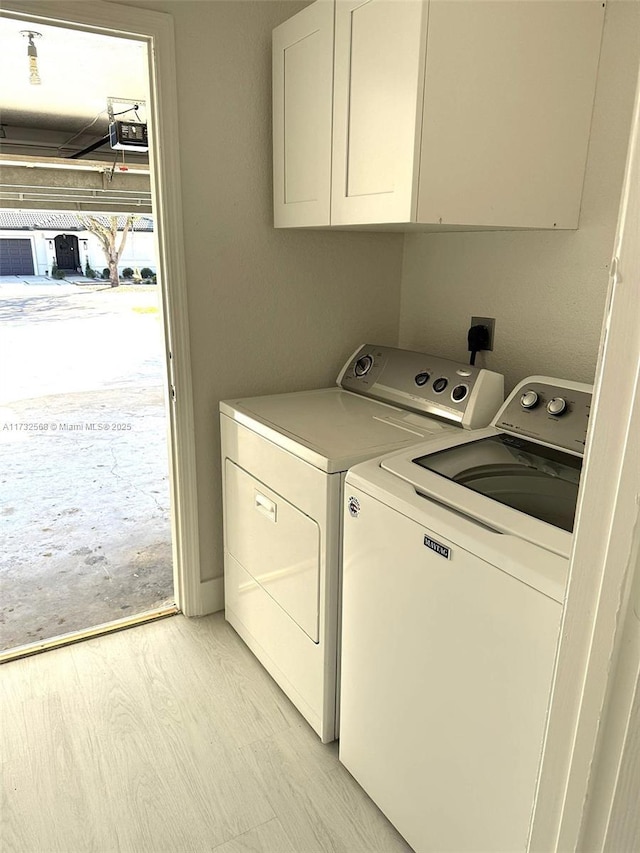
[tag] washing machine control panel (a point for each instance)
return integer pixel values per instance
(424, 383)
(549, 410)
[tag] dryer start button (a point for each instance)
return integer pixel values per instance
(363, 365)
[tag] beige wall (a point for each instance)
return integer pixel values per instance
(546, 289)
(273, 311)
(269, 310)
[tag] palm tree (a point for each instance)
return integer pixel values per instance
(105, 229)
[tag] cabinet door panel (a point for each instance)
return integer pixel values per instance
(378, 84)
(302, 99)
(508, 96)
(372, 152)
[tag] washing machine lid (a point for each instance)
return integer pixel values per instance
(539, 481)
(502, 481)
(331, 428)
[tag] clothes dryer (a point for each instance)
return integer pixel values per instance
(456, 554)
(284, 459)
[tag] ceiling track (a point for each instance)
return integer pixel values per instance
(43, 149)
(28, 190)
(122, 203)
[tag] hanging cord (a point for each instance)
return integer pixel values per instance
(88, 126)
(80, 132)
(113, 168)
(133, 109)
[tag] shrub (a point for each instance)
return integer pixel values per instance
(105, 273)
(146, 272)
(89, 271)
(127, 272)
(56, 272)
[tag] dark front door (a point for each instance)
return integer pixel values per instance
(67, 255)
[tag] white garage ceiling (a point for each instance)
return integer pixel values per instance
(78, 72)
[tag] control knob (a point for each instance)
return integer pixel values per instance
(363, 365)
(422, 378)
(557, 406)
(459, 393)
(529, 400)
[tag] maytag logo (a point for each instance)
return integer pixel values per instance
(438, 547)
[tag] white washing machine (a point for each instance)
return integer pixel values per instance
(284, 459)
(454, 571)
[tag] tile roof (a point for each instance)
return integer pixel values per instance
(46, 220)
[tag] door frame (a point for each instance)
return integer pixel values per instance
(580, 780)
(156, 29)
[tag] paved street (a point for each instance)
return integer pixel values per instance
(84, 498)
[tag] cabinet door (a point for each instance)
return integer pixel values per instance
(507, 110)
(379, 69)
(302, 99)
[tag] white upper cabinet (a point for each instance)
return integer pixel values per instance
(302, 108)
(379, 72)
(447, 114)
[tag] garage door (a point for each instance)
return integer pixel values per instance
(15, 257)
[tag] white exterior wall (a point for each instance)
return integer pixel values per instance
(139, 249)
(44, 257)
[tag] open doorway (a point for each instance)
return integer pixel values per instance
(85, 392)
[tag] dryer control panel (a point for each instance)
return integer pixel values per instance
(451, 390)
(552, 411)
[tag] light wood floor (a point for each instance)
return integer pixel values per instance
(170, 737)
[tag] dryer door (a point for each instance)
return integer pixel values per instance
(277, 544)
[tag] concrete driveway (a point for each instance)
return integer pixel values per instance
(84, 495)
